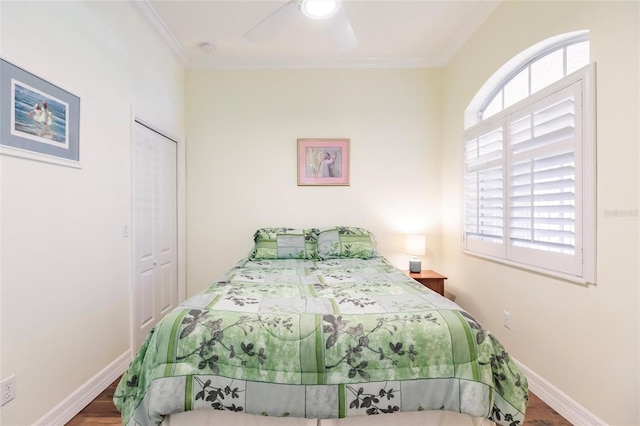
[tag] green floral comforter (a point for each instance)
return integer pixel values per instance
(320, 339)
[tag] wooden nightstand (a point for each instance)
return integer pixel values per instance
(430, 279)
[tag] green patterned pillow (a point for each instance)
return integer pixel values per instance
(346, 242)
(285, 243)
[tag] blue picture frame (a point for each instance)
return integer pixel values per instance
(38, 120)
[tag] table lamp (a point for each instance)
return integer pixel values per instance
(415, 245)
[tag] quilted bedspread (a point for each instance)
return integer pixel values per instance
(320, 339)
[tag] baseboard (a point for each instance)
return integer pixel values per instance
(79, 399)
(559, 401)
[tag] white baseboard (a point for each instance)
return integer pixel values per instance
(79, 399)
(559, 401)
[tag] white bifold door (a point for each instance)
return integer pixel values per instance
(154, 229)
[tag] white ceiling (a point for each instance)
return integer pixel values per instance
(390, 33)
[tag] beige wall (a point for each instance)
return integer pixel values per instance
(241, 159)
(583, 340)
(64, 263)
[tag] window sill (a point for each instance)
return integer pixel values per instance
(540, 271)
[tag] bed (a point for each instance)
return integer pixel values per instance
(316, 327)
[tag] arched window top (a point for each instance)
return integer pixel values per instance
(528, 72)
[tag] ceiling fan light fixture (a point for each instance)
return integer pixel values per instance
(319, 9)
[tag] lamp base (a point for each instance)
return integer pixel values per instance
(415, 265)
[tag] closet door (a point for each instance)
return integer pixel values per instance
(154, 229)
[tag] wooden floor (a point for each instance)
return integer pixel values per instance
(101, 411)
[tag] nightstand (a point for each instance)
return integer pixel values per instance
(430, 279)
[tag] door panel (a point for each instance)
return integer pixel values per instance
(168, 288)
(146, 298)
(154, 229)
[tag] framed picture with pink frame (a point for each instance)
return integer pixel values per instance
(323, 162)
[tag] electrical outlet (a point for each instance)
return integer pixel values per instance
(7, 389)
(506, 319)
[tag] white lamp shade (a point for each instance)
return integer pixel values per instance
(415, 245)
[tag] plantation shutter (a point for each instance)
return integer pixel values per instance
(484, 190)
(543, 197)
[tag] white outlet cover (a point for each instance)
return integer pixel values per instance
(506, 319)
(7, 389)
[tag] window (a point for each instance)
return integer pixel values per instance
(529, 165)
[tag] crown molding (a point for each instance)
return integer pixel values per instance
(219, 62)
(151, 16)
(144, 8)
(317, 63)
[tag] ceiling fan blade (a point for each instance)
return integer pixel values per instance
(273, 23)
(341, 30)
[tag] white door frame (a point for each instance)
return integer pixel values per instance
(181, 231)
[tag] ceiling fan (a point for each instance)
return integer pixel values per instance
(330, 10)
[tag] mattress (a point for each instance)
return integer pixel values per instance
(320, 339)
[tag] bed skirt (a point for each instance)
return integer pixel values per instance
(414, 418)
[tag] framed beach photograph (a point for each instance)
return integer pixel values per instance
(38, 120)
(323, 162)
